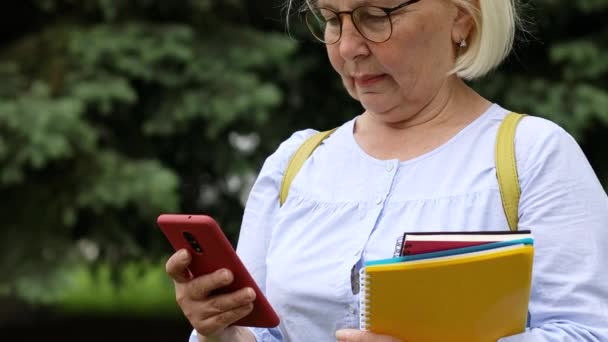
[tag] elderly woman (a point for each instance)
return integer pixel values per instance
(419, 157)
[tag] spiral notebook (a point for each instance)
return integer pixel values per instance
(469, 296)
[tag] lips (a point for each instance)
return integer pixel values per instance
(368, 80)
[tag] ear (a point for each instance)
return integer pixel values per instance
(462, 25)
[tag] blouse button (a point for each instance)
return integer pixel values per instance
(379, 200)
(389, 167)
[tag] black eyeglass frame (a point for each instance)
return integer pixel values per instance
(386, 10)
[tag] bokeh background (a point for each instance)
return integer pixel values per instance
(113, 111)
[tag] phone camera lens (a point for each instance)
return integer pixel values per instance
(192, 241)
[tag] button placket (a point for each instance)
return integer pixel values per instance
(352, 309)
(390, 168)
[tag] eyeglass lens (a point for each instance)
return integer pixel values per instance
(372, 22)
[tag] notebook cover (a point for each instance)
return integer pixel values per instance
(480, 296)
(419, 247)
(471, 233)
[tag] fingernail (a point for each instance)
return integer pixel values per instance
(225, 275)
(250, 294)
(341, 335)
(183, 254)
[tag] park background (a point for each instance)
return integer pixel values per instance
(112, 112)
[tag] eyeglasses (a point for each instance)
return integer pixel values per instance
(373, 23)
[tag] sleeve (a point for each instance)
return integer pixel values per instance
(564, 205)
(260, 214)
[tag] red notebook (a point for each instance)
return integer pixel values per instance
(411, 243)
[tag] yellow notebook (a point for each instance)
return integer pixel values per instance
(474, 297)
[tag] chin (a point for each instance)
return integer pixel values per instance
(375, 103)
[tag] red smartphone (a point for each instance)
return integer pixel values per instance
(210, 249)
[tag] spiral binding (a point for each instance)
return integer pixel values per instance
(399, 246)
(363, 300)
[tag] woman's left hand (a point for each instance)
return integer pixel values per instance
(353, 335)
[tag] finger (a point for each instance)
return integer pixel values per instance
(347, 335)
(203, 285)
(353, 335)
(226, 302)
(214, 324)
(177, 266)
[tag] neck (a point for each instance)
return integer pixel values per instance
(404, 133)
(454, 104)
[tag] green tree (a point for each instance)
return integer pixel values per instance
(112, 112)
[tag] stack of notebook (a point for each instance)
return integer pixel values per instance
(469, 286)
(424, 242)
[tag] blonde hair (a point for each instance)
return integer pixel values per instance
(491, 39)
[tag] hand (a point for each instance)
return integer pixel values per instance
(353, 335)
(208, 314)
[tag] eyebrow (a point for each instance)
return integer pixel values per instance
(355, 3)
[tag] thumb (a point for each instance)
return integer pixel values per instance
(177, 266)
(349, 335)
(353, 335)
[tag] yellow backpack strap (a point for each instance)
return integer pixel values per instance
(506, 168)
(298, 159)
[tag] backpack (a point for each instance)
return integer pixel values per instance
(504, 155)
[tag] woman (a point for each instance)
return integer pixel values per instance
(420, 157)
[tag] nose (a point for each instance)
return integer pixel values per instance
(352, 44)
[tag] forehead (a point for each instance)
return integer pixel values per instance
(351, 3)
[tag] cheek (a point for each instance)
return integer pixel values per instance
(337, 62)
(436, 43)
(416, 53)
(334, 58)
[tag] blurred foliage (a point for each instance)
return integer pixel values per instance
(559, 67)
(138, 289)
(559, 70)
(112, 112)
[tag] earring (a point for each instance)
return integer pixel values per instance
(463, 43)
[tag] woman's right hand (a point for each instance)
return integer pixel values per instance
(209, 314)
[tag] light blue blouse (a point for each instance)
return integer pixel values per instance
(346, 207)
